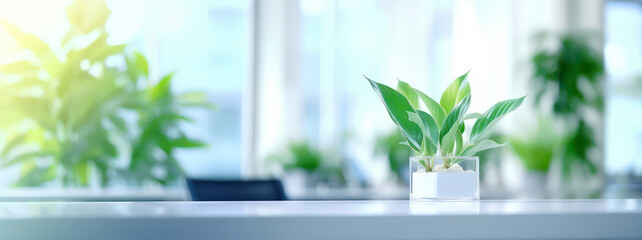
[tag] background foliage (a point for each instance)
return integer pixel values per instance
(320, 167)
(538, 146)
(397, 154)
(68, 115)
(570, 74)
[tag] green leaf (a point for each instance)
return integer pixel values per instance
(171, 117)
(432, 130)
(108, 148)
(184, 142)
(102, 167)
(12, 143)
(99, 49)
(459, 140)
(37, 109)
(449, 140)
(454, 117)
(493, 115)
(450, 96)
(464, 91)
(86, 16)
(29, 41)
(162, 89)
(136, 66)
(473, 116)
(480, 146)
(70, 35)
(31, 175)
(118, 122)
(398, 108)
(141, 63)
(25, 157)
(85, 106)
(407, 91)
(437, 112)
(429, 129)
(81, 171)
(19, 67)
(27, 84)
(423, 163)
(195, 99)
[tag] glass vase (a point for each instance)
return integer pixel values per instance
(444, 178)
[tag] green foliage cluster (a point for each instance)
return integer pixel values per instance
(396, 153)
(571, 74)
(539, 146)
(440, 132)
(67, 114)
(304, 156)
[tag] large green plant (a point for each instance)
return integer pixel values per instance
(159, 133)
(440, 132)
(571, 75)
(63, 108)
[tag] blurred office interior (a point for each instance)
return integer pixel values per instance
(124, 100)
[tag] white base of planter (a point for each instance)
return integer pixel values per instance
(444, 185)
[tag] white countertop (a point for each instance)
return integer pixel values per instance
(180, 194)
(40, 194)
(514, 219)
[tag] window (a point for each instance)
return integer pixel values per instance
(623, 58)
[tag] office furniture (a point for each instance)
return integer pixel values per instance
(510, 219)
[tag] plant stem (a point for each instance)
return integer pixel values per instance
(446, 163)
(426, 165)
(430, 166)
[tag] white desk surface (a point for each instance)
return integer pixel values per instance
(510, 219)
(41, 194)
(180, 194)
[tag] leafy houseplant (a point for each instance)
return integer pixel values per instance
(437, 135)
(65, 109)
(159, 133)
(61, 104)
(571, 75)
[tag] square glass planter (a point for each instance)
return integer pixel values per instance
(458, 182)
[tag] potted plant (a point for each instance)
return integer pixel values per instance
(443, 166)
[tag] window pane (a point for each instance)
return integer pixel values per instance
(623, 55)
